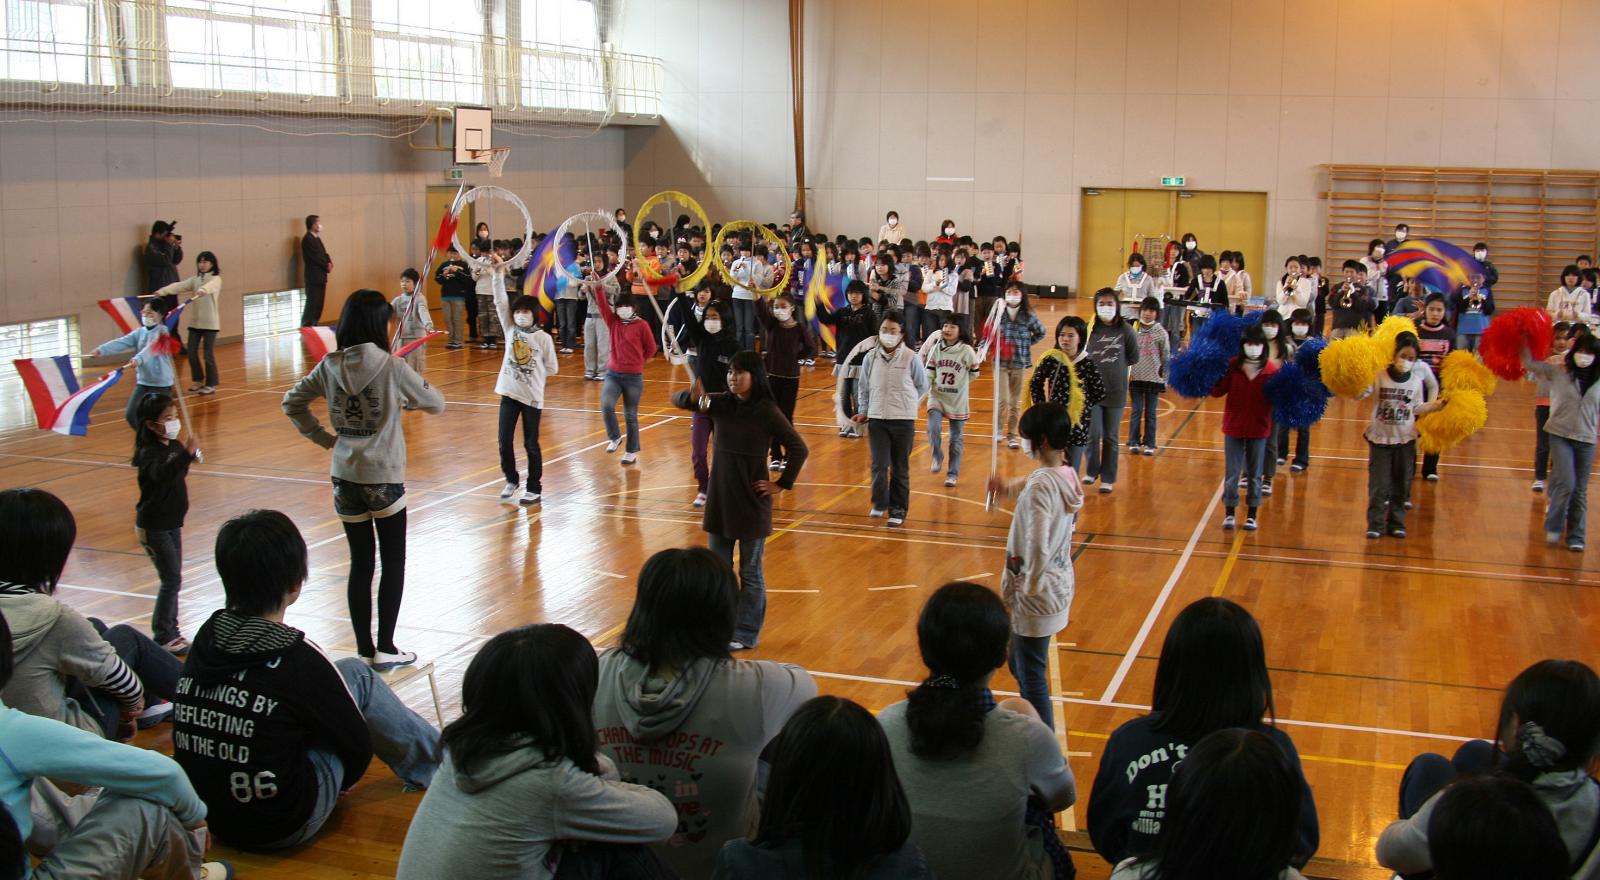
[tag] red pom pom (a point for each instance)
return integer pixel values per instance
(1502, 344)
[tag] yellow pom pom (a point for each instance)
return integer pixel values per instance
(1391, 327)
(1351, 364)
(1464, 412)
(1461, 370)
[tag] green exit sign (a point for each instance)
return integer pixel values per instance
(1172, 181)
(456, 174)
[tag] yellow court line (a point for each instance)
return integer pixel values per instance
(1227, 565)
(1352, 762)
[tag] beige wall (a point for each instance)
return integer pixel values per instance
(77, 199)
(1037, 99)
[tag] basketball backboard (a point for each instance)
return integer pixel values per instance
(474, 135)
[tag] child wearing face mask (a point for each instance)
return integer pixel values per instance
(1473, 305)
(1300, 329)
(1148, 378)
(1405, 389)
(853, 324)
(1434, 341)
(1136, 285)
(1280, 350)
(632, 346)
(530, 359)
(163, 462)
(1246, 424)
(1114, 348)
(1574, 382)
(786, 343)
(1491, 275)
(1019, 330)
(1052, 381)
(1377, 276)
(155, 373)
(950, 358)
(715, 341)
(1560, 341)
(892, 383)
(890, 230)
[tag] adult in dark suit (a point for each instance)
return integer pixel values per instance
(162, 255)
(318, 265)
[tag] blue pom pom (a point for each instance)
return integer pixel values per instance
(1197, 369)
(1298, 400)
(1308, 354)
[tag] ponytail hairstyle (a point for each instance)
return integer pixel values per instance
(1403, 340)
(963, 634)
(365, 318)
(1550, 719)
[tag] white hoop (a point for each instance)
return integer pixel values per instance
(622, 249)
(496, 159)
(517, 258)
(669, 340)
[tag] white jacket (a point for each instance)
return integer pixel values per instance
(530, 354)
(1300, 296)
(1569, 305)
(1038, 582)
(204, 291)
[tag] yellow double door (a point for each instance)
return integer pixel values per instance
(1112, 219)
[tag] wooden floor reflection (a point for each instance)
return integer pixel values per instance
(1379, 649)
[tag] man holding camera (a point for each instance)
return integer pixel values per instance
(161, 257)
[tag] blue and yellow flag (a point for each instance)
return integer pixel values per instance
(542, 280)
(824, 292)
(1438, 264)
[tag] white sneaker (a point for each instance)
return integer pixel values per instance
(216, 870)
(1538, 485)
(195, 387)
(154, 713)
(208, 389)
(700, 499)
(382, 662)
(529, 497)
(897, 521)
(1105, 488)
(1227, 521)
(630, 457)
(612, 446)
(876, 513)
(738, 646)
(949, 482)
(937, 466)
(508, 491)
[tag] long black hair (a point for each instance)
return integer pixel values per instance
(535, 682)
(1490, 826)
(1116, 318)
(962, 633)
(1233, 809)
(833, 786)
(365, 318)
(1212, 673)
(145, 441)
(36, 535)
(1279, 343)
(750, 362)
(216, 267)
(1586, 376)
(684, 609)
(1077, 324)
(1555, 700)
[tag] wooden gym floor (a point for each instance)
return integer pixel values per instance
(1379, 649)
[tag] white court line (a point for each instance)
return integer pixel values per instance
(895, 587)
(1318, 455)
(771, 590)
(108, 592)
(973, 577)
(610, 574)
(1161, 599)
(1327, 725)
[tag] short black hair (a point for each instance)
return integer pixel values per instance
(311, 220)
(525, 303)
(1405, 226)
(1212, 672)
(1356, 266)
(1431, 298)
(1571, 269)
(683, 610)
(1045, 423)
(216, 267)
(411, 275)
(160, 227)
(1136, 257)
(1208, 262)
(857, 286)
(894, 315)
(1301, 316)
(1481, 246)
(261, 558)
(158, 304)
(36, 536)
(1492, 826)
(1376, 243)
(1150, 304)
(364, 318)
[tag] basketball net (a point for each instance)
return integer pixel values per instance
(497, 159)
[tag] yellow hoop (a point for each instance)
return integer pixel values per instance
(772, 240)
(662, 198)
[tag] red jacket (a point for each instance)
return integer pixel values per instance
(1247, 414)
(632, 342)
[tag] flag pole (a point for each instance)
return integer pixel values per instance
(992, 330)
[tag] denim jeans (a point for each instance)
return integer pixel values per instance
(1468, 341)
(1142, 419)
(890, 442)
(744, 323)
(1302, 444)
(157, 671)
(1172, 319)
(752, 584)
(913, 316)
(1075, 455)
(1242, 455)
(935, 440)
(165, 549)
(571, 312)
(1570, 463)
(1429, 773)
(629, 387)
(205, 340)
(1105, 427)
(400, 737)
(511, 412)
(1030, 665)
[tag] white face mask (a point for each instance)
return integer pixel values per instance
(781, 314)
(1403, 365)
(1013, 300)
(1400, 235)
(625, 313)
(1106, 313)
(171, 427)
(149, 320)
(523, 319)
(1136, 271)
(1480, 255)
(1582, 360)
(1189, 245)
(1301, 329)
(949, 230)
(1377, 253)
(888, 340)
(1271, 331)
(894, 221)
(1253, 351)
(713, 327)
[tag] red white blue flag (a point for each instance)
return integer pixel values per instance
(319, 341)
(58, 403)
(124, 310)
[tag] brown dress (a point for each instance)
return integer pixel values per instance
(743, 432)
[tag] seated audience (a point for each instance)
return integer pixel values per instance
(1212, 675)
(833, 807)
(676, 712)
(270, 731)
(141, 817)
(982, 778)
(1492, 827)
(69, 668)
(1230, 811)
(520, 775)
(1548, 735)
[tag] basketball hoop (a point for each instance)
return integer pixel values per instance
(497, 159)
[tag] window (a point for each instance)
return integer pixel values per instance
(241, 46)
(54, 41)
(561, 64)
(427, 50)
(271, 314)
